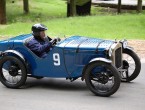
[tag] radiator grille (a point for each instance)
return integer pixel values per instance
(118, 57)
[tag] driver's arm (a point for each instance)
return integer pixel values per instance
(36, 47)
(49, 38)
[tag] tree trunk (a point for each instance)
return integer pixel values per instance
(139, 6)
(26, 6)
(71, 8)
(84, 9)
(80, 7)
(2, 11)
(119, 6)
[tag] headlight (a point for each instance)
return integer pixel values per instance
(124, 43)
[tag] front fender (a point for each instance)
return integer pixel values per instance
(95, 60)
(100, 59)
(129, 48)
(125, 45)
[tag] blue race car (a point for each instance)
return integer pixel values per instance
(100, 63)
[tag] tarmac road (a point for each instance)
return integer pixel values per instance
(59, 94)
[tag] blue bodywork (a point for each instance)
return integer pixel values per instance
(66, 59)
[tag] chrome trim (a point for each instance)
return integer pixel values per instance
(114, 47)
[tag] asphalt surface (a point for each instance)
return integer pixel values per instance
(59, 94)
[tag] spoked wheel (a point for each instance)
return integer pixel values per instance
(102, 79)
(131, 65)
(12, 72)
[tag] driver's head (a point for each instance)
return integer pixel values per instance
(38, 31)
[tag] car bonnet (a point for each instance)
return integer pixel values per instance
(84, 43)
(79, 43)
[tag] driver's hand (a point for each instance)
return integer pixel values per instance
(58, 39)
(53, 41)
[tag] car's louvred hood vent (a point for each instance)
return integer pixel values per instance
(84, 43)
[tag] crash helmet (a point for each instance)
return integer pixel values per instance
(37, 28)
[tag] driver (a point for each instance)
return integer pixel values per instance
(40, 44)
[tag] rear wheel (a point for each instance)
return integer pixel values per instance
(102, 78)
(132, 65)
(12, 72)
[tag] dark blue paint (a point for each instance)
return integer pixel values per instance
(75, 53)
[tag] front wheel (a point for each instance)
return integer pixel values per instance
(12, 72)
(132, 65)
(102, 78)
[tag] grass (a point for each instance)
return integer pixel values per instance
(40, 10)
(53, 14)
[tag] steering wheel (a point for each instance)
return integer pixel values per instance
(55, 40)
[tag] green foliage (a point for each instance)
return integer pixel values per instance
(53, 14)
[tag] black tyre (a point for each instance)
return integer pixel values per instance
(132, 64)
(102, 78)
(12, 72)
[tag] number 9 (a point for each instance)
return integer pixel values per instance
(56, 59)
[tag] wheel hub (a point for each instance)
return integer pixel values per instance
(125, 64)
(13, 71)
(103, 78)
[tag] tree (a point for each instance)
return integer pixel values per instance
(119, 6)
(2, 11)
(78, 7)
(72, 10)
(83, 7)
(26, 6)
(139, 6)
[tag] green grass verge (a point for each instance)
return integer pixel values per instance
(128, 26)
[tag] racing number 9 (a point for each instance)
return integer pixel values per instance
(56, 59)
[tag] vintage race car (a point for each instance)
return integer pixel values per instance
(103, 64)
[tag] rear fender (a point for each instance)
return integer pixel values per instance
(92, 61)
(15, 53)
